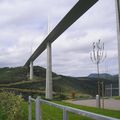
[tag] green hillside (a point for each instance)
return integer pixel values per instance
(17, 79)
(10, 75)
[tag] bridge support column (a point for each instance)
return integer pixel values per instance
(118, 34)
(31, 70)
(49, 73)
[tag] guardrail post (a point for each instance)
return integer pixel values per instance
(40, 103)
(29, 108)
(65, 115)
(97, 101)
(38, 109)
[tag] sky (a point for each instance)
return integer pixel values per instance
(24, 25)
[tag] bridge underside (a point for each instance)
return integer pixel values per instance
(78, 10)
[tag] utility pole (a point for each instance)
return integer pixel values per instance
(118, 35)
(97, 56)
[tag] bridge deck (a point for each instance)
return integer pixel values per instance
(78, 10)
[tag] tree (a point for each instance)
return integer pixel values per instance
(97, 56)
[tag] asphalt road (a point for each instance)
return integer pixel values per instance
(108, 103)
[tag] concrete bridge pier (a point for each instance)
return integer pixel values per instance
(31, 70)
(118, 34)
(49, 73)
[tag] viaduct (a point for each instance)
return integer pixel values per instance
(77, 11)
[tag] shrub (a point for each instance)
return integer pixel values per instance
(117, 97)
(59, 96)
(73, 95)
(10, 106)
(83, 96)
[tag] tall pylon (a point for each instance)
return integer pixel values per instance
(49, 69)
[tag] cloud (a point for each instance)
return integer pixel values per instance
(23, 26)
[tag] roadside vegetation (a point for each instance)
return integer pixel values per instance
(117, 97)
(14, 107)
(10, 106)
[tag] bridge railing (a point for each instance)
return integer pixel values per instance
(65, 111)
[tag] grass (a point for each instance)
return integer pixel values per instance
(117, 97)
(53, 113)
(57, 113)
(50, 113)
(106, 112)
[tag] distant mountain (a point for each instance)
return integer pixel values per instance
(103, 75)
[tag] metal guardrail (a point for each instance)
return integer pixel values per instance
(65, 109)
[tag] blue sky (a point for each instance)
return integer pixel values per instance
(23, 26)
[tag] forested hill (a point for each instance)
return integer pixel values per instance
(18, 77)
